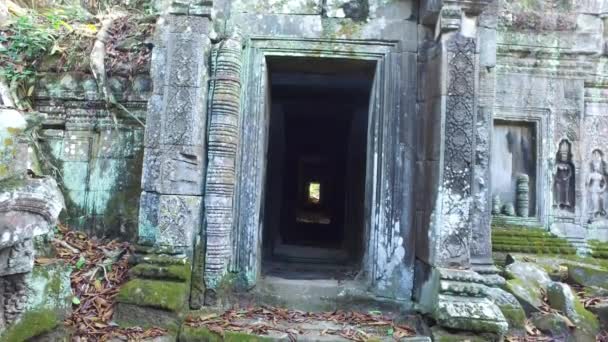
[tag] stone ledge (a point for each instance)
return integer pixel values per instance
(132, 315)
(163, 295)
(179, 273)
(470, 314)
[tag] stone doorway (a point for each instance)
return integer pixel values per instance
(314, 210)
(386, 254)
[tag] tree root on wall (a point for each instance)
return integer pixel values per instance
(97, 58)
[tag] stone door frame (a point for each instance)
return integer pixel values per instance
(538, 117)
(382, 168)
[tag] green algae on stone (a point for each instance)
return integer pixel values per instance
(165, 295)
(31, 324)
(441, 335)
(588, 275)
(529, 295)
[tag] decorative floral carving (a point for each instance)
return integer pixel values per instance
(459, 150)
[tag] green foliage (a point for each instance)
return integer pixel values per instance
(25, 41)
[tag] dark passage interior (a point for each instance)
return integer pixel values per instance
(315, 182)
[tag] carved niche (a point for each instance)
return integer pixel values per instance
(563, 178)
(595, 185)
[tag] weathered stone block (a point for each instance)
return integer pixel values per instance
(153, 121)
(75, 175)
(184, 116)
(187, 60)
(561, 297)
(37, 302)
(179, 217)
(76, 146)
(188, 24)
(169, 220)
(133, 315)
(278, 7)
(509, 306)
(19, 258)
(174, 170)
(29, 209)
(148, 217)
(588, 275)
(115, 143)
(164, 295)
(168, 272)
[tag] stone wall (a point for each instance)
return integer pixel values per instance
(94, 152)
(551, 58)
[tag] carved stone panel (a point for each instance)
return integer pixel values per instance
(564, 178)
(183, 118)
(187, 57)
(455, 230)
(175, 170)
(178, 220)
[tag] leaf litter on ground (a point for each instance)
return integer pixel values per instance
(355, 326)
(100, 268)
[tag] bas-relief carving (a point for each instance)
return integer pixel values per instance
(459, 130)
(596, 186)
(563, 179)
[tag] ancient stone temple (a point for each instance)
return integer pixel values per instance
(354, 135)
(333, 153)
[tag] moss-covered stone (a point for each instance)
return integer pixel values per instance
(164, 295)
(32, 324)
(48, 302)
(169, 272)
(442, 335)
(588, 275)
(197, 334)
(552, 324)
(529, 295)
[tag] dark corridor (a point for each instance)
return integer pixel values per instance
(315, 185)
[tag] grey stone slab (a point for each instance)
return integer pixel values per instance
(187, 55)
(278, 25)
(184, 116)
(182, 170)
(174, 169)
(75, 175)
(277, 7)
(18, 258)
(153, 128)
(76, 146)
(158, 66)
(169, 220)
(487, 53)
(188, 24)
(179, 218)
(148, 217)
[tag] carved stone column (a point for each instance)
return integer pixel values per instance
(481, 242)
(173, 175)
(453, 293)
(224, 103)
(174, 157)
